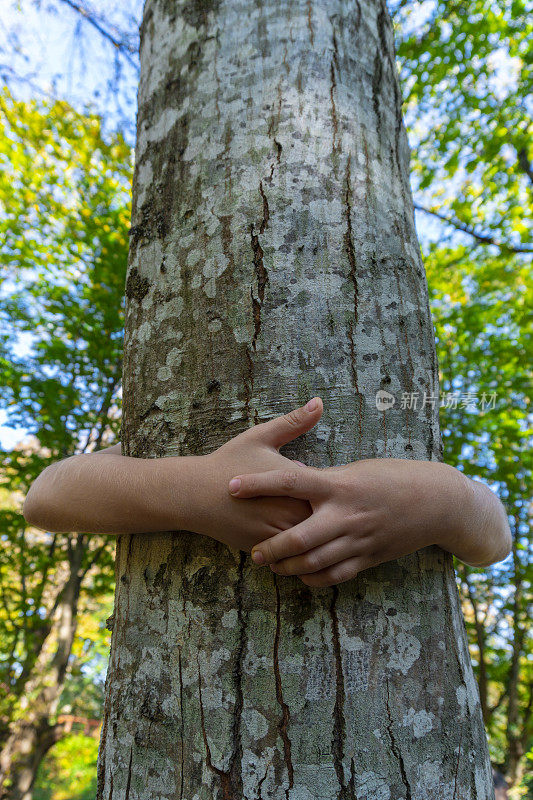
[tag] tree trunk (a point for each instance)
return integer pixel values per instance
(33, 741)
(274, 257)
(481, 642)
(31, 736)
(514, 729)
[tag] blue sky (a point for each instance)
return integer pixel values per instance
(56, 53)
(49, 51)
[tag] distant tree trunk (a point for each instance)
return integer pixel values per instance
(517, 730)
(32, 735)
(273, 257)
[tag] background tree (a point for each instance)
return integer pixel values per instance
(64, 192)
(466, 77)
(484, 342)
(467, 81)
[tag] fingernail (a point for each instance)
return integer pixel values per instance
(299, 462)
(258, 557)
(234, 485)
(312, 404)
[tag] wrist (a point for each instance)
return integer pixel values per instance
(176, 502)
(455, 508)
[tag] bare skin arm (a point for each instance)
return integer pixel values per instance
(377, 510)
(364, 513)
(105, 492)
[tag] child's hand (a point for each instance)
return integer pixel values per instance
(364, 514)
(242, 524)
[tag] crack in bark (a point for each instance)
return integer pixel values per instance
(351, 785)
(356, 386)
(394, 747)
(457, 765)
(381, 22)
(262, 276)
(266, 212)
(124, 579)
(224, 776)
(350, 251)
(398, 130)
(330, 446)
(285, 717)
(249, 377)
(128, 782)
(182, 731)
(348, 236)
(260, 784)
(402, 320)
(234, 773)
(335, 52)
(284, 60)
(379, 317)
(334, 120)
(310, 23)
(279, 148)
(377, 76)
(257, 302)
(357, 14)
(339, 723)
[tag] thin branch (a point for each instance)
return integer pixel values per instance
(101, 414)
(126, 49)
(481, 237)
(8, 75)
(97, 553)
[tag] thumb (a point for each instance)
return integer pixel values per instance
(284, 429)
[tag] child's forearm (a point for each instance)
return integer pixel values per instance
(111, 493)
(477, 530)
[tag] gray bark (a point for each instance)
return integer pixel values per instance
(274, 257)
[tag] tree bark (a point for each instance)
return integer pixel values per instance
(274, 257)
(481, 642)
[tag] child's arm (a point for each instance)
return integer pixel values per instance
(377, 510)
(105, 492)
